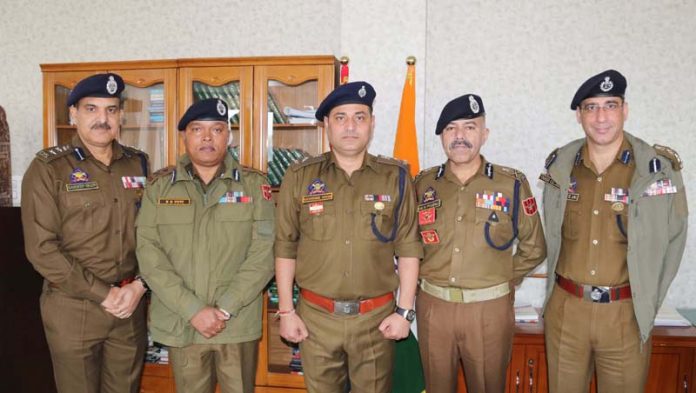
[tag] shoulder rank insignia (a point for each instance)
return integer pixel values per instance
(308, 161)
(54, 152)
(546, 178)
(166, 171)
(512, 172)
(391, 161)
(425, 172)
(551, 158)
(671, 155)
(489, 170)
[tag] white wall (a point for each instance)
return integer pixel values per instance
(526, 59)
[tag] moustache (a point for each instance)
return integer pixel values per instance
(104, 126)
(461, 142)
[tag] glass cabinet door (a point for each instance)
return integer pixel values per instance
(233, 86)
(148, 113)
(287, 98)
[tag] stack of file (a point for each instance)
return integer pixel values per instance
(299, 116)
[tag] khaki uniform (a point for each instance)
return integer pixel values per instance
(204, 246)
(332, 225)
(467, 231)
(78, 217)
(591, 219)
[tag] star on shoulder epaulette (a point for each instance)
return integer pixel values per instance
(512, 172)
(51, 153)
(309, 160)
(671, 155)
(426, 172)
(391, 161)
(166, 171)
(551, 158)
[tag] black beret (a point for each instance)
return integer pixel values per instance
(609, 83)
(468, 106)
(350, 93)
(213, 109)
(100, 85)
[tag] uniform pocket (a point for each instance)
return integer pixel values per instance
(84, 211)
(499, 228)
(321, 223)
(383, 218)
(572, 218)
(234, 212)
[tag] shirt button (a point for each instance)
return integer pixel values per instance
(592, 272)
(459, 218)
(452, 279)
(595, 242)
(456, 249)
(115, 200)
(599, 178)
(347, 242)
(595, 212)
(346, 274)
(461, 188)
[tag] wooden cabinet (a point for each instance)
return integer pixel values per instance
(672, 366)
(264, 95)
(270, 100)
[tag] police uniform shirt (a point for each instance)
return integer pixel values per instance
(593, 250)
(79, 216)
(325, 222)
(457, 253)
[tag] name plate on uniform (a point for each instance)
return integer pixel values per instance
(174, 201)
(317, 198)
(86, 186)
(424, 206)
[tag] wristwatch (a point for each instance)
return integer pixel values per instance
(408, 315)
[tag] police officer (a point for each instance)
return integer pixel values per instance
(470, 212)
(616, 217)
(342, 217)
(79, 203)
(205, 236)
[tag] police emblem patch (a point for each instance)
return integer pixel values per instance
(427, 216)
(316, 192)
(266, 192)
(430, 237)
(111, 85)
(606, 85)
(429, 195)
(362, 92)
(474, 105)
(78, 176)
(530, 206)
(221, 108)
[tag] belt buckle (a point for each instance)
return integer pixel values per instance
(346, 307)
(596, 294)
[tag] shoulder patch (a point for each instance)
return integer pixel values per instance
(51, 153)
(425, 172)
(309, 160)
(512, 172)
(391, 161)
(671, 155)
(551, 158)
(166, 171)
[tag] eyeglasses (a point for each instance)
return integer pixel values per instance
(607, 107)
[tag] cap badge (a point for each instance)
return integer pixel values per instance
(111, 85)
(221, 108)
(473, 104)
(606, 85)
(362, 92)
